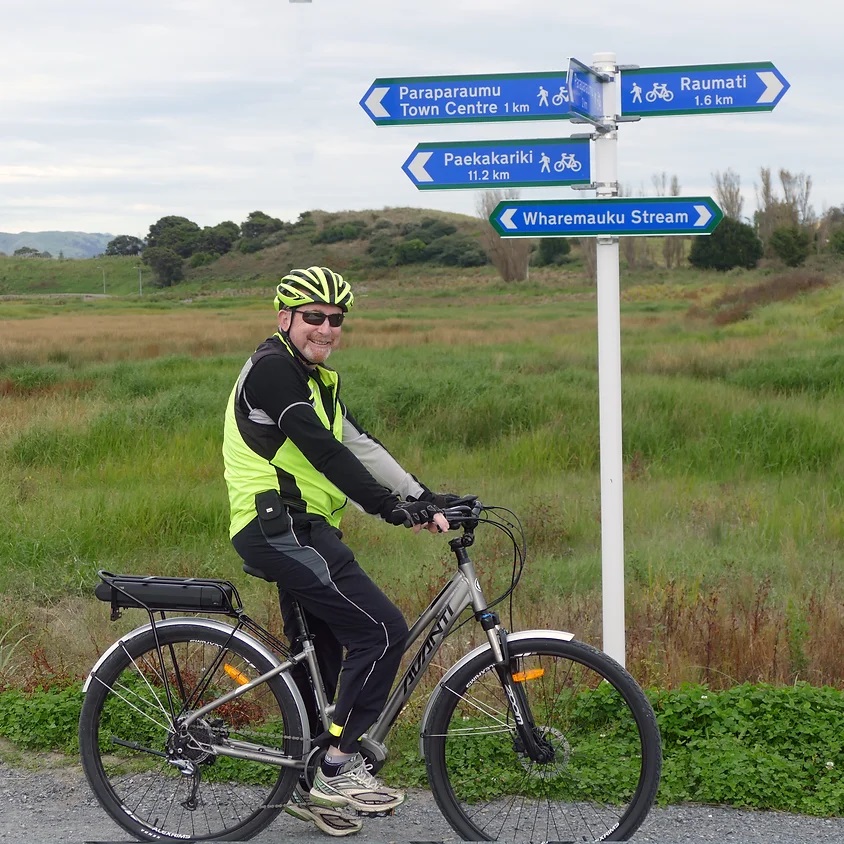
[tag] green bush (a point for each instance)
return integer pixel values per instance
(836, 242)
(790, 245)
(732, 244)
(455, 250)
(552, 250)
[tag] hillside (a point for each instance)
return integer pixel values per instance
(68, 244)
(374, 241)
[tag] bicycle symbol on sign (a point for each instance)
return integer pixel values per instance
(660, 92)
(562, 96)
(567, 160)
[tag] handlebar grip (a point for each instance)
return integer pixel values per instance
(464, 509)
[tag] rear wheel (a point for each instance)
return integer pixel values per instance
(160, 780)
(601, 739)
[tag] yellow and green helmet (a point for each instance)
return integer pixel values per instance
(315, 284)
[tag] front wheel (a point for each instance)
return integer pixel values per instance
(162, 781)
(603, 747)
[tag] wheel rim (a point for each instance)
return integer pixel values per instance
(166, 780)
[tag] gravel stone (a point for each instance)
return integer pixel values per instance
(52, 804)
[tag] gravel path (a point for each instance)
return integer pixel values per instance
(52, 803)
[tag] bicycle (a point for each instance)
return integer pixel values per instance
(193, 727)
(659, 91)
(567, 160)
(562, 96)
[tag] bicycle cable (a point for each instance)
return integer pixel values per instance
(510, 529)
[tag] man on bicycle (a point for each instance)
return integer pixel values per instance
(294, 457)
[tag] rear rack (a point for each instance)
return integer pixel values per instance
(158, 594)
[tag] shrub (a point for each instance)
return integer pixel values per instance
(552, 250)
(836, 242)
(732, 244)
(409, 251)
(791, 245)
(455, 250)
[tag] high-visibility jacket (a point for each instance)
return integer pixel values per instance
(287, 429)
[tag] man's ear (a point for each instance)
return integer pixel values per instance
(284, 318)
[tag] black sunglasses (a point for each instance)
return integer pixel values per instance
(318, 318)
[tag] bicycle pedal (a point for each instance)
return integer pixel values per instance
(386, 814)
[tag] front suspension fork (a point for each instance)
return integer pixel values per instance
(535, 749)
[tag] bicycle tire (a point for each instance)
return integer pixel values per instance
(603, 778)
(128, 745)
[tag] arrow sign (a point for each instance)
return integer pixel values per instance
(486, 164)
(701, 89)
(663, 215)
(466, 99)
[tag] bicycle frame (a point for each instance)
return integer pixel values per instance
(462, 591)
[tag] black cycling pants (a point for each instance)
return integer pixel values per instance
(343, 608)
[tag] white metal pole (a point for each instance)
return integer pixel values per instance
(609, 377)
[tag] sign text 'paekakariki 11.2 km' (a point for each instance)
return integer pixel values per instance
(483, 164)
(701, 89)
(467, 99)
(606, 217)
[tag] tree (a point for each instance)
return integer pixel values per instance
(510, 256)
(124, 244)
(29, 252)
(219, 239)
(175, 233)
(836, 242)
(165, 263)
(732, 244)
(791, 245)
(552, 250)
(672, 246)
(728, 193)
(258, 224)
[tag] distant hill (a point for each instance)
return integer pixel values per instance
(69, 244)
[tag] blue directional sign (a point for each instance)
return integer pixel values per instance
(486, 164)
(701, 89)
(468, 99)
(586, 93)
(662, 215)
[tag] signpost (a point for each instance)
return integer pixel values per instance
(663, 215)
(486, 164)
(468, 99)
(582, 93)
(701, 89)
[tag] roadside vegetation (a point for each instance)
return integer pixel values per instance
(110, 431)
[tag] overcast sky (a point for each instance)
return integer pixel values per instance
(114, 114)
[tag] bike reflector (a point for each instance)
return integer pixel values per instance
(531, 674)
(236, 675)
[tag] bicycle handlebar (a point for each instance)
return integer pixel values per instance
(464, 512)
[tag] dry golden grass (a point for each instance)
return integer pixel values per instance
(129, 336)
(85, 338)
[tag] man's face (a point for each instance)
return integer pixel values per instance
(315, 342)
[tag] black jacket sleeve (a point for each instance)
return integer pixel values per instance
(279, 387)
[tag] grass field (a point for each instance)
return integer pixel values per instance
(110, 429)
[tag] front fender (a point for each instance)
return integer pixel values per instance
(211, 624)
(481, 649)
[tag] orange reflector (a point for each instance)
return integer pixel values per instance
(532, 674)
(236, 675)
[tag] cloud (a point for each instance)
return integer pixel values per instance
(212, 109)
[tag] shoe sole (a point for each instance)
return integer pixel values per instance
(308, 816)
(363, 808)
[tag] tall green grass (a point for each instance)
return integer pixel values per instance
(732, 447)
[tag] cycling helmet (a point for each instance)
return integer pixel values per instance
(315, 284)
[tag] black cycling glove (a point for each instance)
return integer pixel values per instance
(443, 500)
(413, 513)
